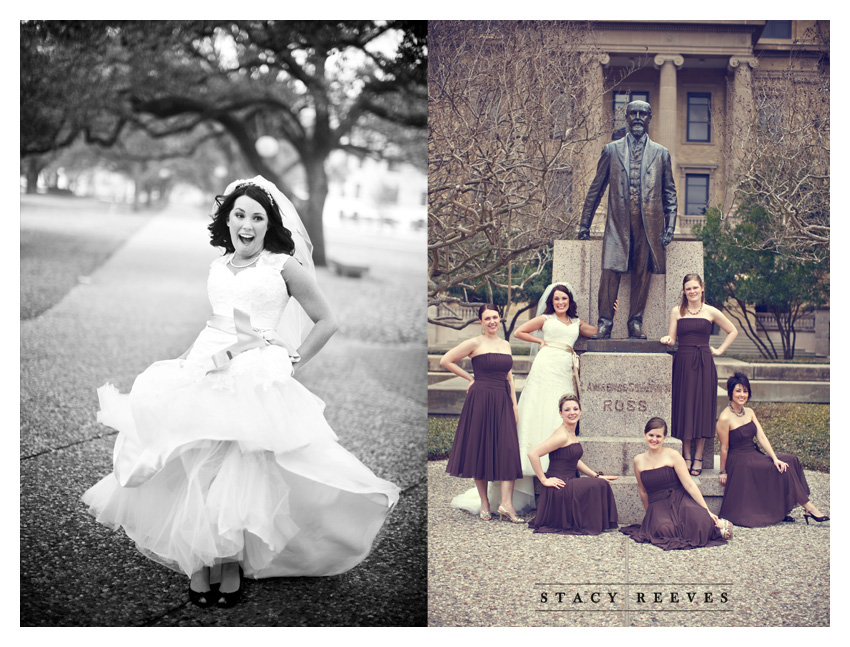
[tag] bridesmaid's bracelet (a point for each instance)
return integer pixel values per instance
(598, 474)
(722, 472)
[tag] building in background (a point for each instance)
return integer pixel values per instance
(699, 78)
(380, 195)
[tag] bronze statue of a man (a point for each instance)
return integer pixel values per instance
(641, 216)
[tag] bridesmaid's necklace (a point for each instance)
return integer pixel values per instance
(740, 415)
(256, 258)
(694, 314)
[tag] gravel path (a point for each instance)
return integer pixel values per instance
(147, 302)
(495, 573)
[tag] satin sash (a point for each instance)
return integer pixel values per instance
(576, 367)
(247, 337)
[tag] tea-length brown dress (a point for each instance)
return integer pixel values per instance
(485, 444)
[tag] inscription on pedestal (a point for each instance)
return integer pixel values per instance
(621, 391)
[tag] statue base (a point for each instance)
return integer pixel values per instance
(625, 382)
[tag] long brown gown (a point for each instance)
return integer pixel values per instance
(584, 506)
(485, 444)
(673, 520)
(694, 398)
(757, 494)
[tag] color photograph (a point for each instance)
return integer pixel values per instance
(651, 451)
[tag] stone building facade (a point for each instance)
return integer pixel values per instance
(699, 78)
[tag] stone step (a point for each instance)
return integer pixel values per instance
(782, 391)
(781, 372)
(743, 345)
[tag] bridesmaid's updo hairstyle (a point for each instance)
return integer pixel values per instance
(570, 397)
(736, 379)
(655, 423)
(488, 306)
(572, 309)
(684, 304)
(278, 238)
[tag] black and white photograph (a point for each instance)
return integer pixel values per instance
(645, 452)
(223, 267)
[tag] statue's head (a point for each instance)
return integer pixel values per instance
(638, 116)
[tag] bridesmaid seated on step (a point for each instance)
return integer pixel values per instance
(760, 489)
(677, 516)
(570, 505)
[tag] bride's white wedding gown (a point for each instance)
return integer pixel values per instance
(238, 462)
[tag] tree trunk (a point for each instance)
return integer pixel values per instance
(32, 175)
(317, 187)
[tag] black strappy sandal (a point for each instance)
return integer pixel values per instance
(698, 471)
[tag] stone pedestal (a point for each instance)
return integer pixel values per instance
(580, 263)
(626, 382)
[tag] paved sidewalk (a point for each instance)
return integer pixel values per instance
(494, 573)
(148, 302)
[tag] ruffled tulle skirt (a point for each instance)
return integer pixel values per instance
(237, 463)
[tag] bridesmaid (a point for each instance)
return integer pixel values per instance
(570, 505)
(677, 516)
(760, 490)
(485, 446)
(694, 397)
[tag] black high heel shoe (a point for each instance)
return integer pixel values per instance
(808, 516)
(202, 599)
(693, 469)
(227, 600)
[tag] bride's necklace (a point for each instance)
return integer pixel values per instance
(694, 314)
(256, 258)
(740, 415)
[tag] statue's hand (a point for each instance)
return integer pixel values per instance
(584, 233)
(667, 237)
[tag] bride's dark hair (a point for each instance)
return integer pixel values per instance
(278, 238)
(572, 309)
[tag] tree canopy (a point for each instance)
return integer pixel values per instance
(746, 281)
(315, 86)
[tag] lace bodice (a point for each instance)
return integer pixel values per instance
(558, 331)
(258, 290)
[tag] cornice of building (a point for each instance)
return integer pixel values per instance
(737, 26)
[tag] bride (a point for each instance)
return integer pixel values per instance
(553, 374)
(224, 462)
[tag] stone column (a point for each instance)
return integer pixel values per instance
(740, 117)
(665, 115)
(599, 122)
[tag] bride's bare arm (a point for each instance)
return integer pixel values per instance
(303, 287)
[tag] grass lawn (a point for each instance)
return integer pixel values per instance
(64, 239)
(791, 428)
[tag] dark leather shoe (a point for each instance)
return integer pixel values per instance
(604, 329)
(634, 330)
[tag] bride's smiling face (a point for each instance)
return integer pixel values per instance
(560, 301)
(247, 224)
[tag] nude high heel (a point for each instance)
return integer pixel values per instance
(512, 518)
